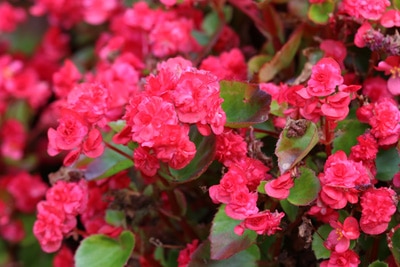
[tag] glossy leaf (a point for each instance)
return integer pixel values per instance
(108, 164)
(224, 242)
(291, 150)
(320, 251)
(283, 58)
(387, 164)
(205, 152)
(347, 132)
(244, 104)
(248, 257)
(103, 251)
(319, 12)
(305, 189)
(256, 62)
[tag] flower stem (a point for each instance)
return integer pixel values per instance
(119, 151)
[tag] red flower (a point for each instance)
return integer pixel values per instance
(377, 207)
(346, 259)
(69, 134)
(280, 187)
(339, 238)
(325, 77)
(185, 254)
(262, 223)
(391, 66)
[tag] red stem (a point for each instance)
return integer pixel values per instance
(119, 151)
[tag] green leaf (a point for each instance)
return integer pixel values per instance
(118, 125)
(212, 21)
(293, 148)
(396, 3)
(378, 264)
(256, 62)
(4, 255)
(387, 164)
(305, 189)
(320, 251)
(103, 251)
(283, 58)
(205, 153)
(261, 187)
(115, 217)
(244, 104)
(108, 164)
(347, 132)
(248, 257)
(395, 248)
(289, 209)
(224, 242)
(319, 12)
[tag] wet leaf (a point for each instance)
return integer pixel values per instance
(305, 189)
(244, 104)
(224, 242)
(291, 150)
(283, 58)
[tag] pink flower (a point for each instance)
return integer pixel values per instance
(334, 49)
(65, 79)
(27, 190)
(69, 133)
(13, 138)
(325, 77)
(339, 238)
(231, 147)
(280, 187)
(377, 207)
(185, 254)
(71, 197)
(385, 121)
(48, 227)
(229, 65)
(242, 204)
(391, 65)
(341, 180)
(359, 39)
(97, 11)
(391, 18)
(262, 223)
(347, 258)
(145, 161)
(336, 107)
(322, 212)
(370, 10)
(366, 149)
(10, 17)
(255, 172)
(64, 258)
(93, 145)
(375, 88)
(13, 231)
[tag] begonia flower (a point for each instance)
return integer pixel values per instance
(347, 258)
(377, 207)
(325, 77)
(339, 238)
(280, 187)
(263, 223)
(391, 66)
(391, 18)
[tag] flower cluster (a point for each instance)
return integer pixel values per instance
(57, 214)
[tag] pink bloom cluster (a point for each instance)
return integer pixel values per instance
(10, 17)
(238, 186)
(57, 215)
(342, 180)
(368, 10)
(68, 13)
(377, 207)
(159, 118)
(325, 94)
(383, 116)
